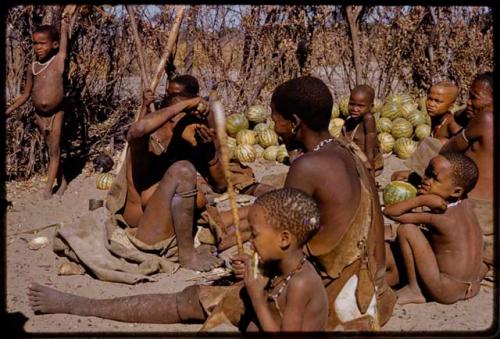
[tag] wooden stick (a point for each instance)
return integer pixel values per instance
(170, 44)
(138, 45)
(37, 229)
(220, 124)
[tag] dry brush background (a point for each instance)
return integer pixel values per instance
(246, 50)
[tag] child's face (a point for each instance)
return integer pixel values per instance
(438, 179)
(359, 104)
(479, 97)
(43, 45)
(265, 238)
(439, 100)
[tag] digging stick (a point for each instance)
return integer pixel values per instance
(138, 45)
(220, 125)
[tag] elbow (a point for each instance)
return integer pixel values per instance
(135, 131)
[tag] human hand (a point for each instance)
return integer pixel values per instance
(400, 175)
(255, 283)
(68, 12)
(189, 134)
(434, 202)
(205, 133)
(147, 97)
(239, 264)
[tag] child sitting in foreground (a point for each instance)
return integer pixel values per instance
(44, 83)
(443, 260)
(360, 126)
(290, 296)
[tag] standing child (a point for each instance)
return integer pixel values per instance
(443, 259)
(360, 126)
(44, 83)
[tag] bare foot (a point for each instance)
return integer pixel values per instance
(407, 295)
(62, 187)
(47, 193)
(202, 259)
(44, 299)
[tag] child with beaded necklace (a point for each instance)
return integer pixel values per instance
(44, 83)
(289, 296)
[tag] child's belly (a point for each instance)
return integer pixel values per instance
(47, 94)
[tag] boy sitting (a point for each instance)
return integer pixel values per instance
(44, 83)
(360, 105)
(442, 258)
(293, 300)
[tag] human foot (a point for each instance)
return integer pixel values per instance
(408, 295)
(47, 193)
(201, 259)
(44, 299)
(62, 187)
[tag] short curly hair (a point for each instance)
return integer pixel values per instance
(465, 171)
(307, 97)
(190, 84)
(293, 210)
(51, 31)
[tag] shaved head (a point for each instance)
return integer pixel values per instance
(365, 89)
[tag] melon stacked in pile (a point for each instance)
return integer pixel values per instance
(251, 136)
(401, 123)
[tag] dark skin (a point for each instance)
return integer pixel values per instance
(479, 134)
(149, 186)
(452, 247)
(47, 94)
(360, 105)
(439, 101)
(337, 191)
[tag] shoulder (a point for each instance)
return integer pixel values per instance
(368, 118)
(306, 281)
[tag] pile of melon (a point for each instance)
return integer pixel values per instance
(401, 122)
(251, 136)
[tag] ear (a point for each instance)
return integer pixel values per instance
(55, 44)
(458, 191)
(285, 239)
(296, 121)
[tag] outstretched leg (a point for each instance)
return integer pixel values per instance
(146, 308)
(171, 211)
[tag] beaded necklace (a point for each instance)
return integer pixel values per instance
(321, 144)
(44, 65)
(274, 296)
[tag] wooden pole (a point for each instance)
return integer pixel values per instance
(220, 124)
(170, 45)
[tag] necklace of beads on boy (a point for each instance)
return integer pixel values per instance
(285, 281)
(453, 203)
(321, 144)
(44, 65)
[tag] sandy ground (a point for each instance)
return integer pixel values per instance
(23, 266)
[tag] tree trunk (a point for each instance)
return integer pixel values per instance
(190, 40)
(52, 15)
(353, 14)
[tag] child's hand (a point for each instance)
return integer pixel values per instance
(255, 284)
(239, 264)
(434, 202)
(147, 97)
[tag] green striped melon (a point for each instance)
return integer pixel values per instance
(377, 105)
(270, 153)
(422, 104)
(404, 147)
(335, 111)
(386, 142)
(416, 118)
(267, 137)
(407, 108)
(384, 125)
(246, 137)
(235, 123)
(261, 126)
(428, 120)
(335, 127)
(231, 145)
(391, 100)
(390, 111)
(344, 106)
(401, 128)
(282, 153)
(422, 131)
(256, 114)
(397, 191)
(402, 99)
(259, 150)
(245, 153)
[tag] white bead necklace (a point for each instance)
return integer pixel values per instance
(453, 203)
(321, 144)
(45, 65)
